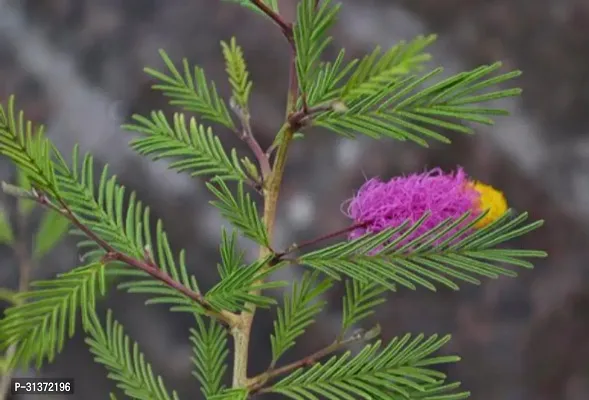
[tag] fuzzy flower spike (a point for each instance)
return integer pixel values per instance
(382, 205)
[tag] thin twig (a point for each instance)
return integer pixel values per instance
(285, 26)
(257, 383)
(248, 137)
(149, 267)
(306, 243)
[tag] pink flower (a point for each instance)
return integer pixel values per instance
(381, 205)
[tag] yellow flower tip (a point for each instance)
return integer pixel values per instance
(490, 199)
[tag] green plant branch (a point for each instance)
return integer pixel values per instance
(256, 384)
(294, 121)
(148, 266)
(25, 265)
(291, 101)
(242, 331)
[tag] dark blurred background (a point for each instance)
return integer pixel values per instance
(76, 65)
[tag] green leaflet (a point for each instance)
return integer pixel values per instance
(401, 110)
(310, 37)
(298, 312)
(396, 371)
(419, 263)
(376, 70)
(231, 394)
(369, 76)
(233, 292)
(102, 210)
(195, 149)
(124, 361)
(209, 341)
(27, 148)
(238, 279)
(140, 282)
(236, 69)
(126, 230)
(46, 315)
(359, 301)
(191, 91)
(240, 210)
(231, 256)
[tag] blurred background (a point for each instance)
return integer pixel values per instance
(76, 65)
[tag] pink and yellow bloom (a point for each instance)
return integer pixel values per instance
(382, 205)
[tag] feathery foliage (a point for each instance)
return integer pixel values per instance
(124, 361)
(420, 262)
(45, 316)
(27, 147)
(310, 37)
(384, 94)
(395, 371)
(47, 235)
(359, 301)
(398, 109)
(139, 281)
(237, 71)
(124, 227)
(240, 210)
(126, 231)
(197, 150)
(231, 394)
(298, 312)
(191, 91)
(234, 291)
(231, 256)
(368, 75)
(103, 210)
(210, 355)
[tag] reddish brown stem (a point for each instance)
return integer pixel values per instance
(285, 26)
(259, 154)
(248, 137)
(113, 254)
(257, 383)
(298, 246)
